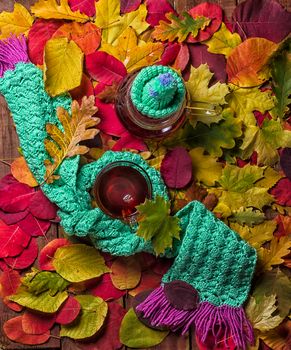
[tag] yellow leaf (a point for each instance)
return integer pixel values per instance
(205, 168)
(126, 273)
(63, 66)
(197, 86)
(244, 101)
(271, 177)
(51, 9)
(273, 256)
(77, 128)
(22, 173)
(17, 22)
(135, 19)
(223, 41)
(107, 12)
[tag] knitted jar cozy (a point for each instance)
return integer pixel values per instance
(157, 91)
(210, 258)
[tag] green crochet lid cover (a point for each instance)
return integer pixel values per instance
(158, 91)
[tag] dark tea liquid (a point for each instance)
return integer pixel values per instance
(120, 189)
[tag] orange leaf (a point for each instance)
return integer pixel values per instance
(87, 36)
(149, 280)
(22, 173)
(126, 273)
(246, 65)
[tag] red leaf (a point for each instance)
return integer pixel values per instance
(105, 68)
(14, 331)
(149, 280)
(69, 311)
(13, 218)
(85, 89)
(12, 240)
(262, 18)
(9, 283)
(3, 266)
(33, 226)
(41, 31)
(15, 197)
(170, 53)
(34, 323)
(285, 162)
(47, 253)
(25, 259)
(209, 10)
(42, 207)
(282, 192)
(182, 58)
(157, 10)
(84, 6)
(162, 266)
(129, 5)
(176, 168)
(106, 290)
(222, 344)
(128, 141)
(12, 305)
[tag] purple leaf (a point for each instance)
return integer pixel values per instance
(181, 295)
(85, 6)
(176, 168)
(157, 10)
(285, 162)
(129, 5)
(262, 18)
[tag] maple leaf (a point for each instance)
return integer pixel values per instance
(223, 41)
(77, 128)
(247, 216)
(179, 28)
(244, 101)
(260, 313)
(156, 224)
(273, 256)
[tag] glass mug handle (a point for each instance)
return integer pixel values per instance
(200, 108)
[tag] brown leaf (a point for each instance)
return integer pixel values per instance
(109, 93)
(126, 273)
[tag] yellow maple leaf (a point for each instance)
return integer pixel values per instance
(16, 22)
(51, 9)
(107, 12)
(77, 128)
(205, 168)
(63, 65)
(223, 41)
(279, 248)
(271, 177)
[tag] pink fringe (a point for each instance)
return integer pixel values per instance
(221, 321)
(12, 51)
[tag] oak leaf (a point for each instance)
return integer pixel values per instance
(126, 273)
(51, 9)
(247, 216)
(179, 28)
(16, 22)
(156, 224)
(22, 173)
(65, 144)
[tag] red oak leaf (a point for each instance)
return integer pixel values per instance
(129, 5)
(105, 68)
(105, 289)
(47, 253)
(282, 192)
(33, 226)
(84, 6)
(35, 323)
(12, 240)
(176, 168)
(69, 311)
(25, 259)
(208, 10)
(157, 10)
(41, 31)
(14, 331)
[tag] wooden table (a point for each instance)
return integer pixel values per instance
(8, 151)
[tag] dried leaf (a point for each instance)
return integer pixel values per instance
(126, 273)
(48, 251)
(33, 323)
(177, 28)
(16, 22)
(76, 129)
(63, 66)
(247, 216)
(22, 173)
(278, 338)
(69, 311)
(84, 6)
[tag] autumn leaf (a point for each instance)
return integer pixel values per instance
(244, 101)
(246, 65)
(22, 173)
(126, 273)
(282, 191)
(76, 129)
(179, 28)
(271, 177)
(90, 320)
(34, 323)
(84, 6)
(157, 11)
(48, 251)
(105, 289)
(63, 66)
(107, 12)
(274, 255)
(206, 169)
(69, 311)
(279, 337)
(260, 313)
(247, 216)
(16, 22)
(25, 258)
(156, 224)
(223, 41)
(51, 9)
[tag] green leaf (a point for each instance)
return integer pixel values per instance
(43, 302)
(247, 216)
(91, 318)
(260, 313)
(156, 224)
(135, 334)
(276, 282)
(238, 179)
(41, 281)
(281, 78)
(79, 262)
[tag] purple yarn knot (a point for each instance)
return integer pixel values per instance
(166, 79)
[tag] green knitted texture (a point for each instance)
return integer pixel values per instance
(209, 255)
(157, 91)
